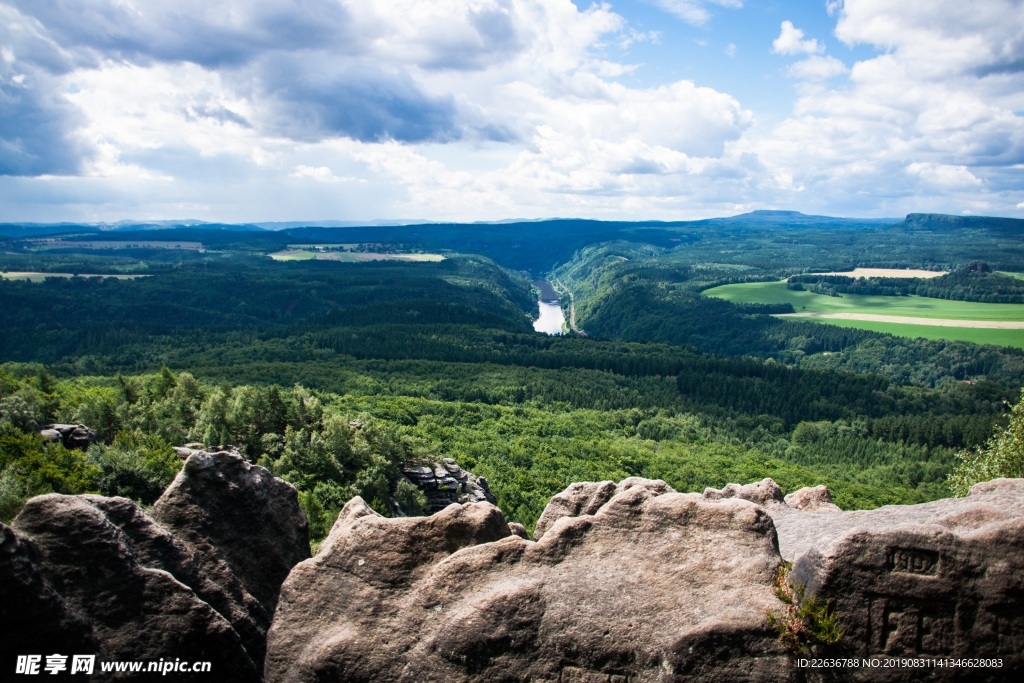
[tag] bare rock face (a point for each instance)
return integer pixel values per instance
(119, 584)
(24, 591)
(633, 582)
(764, 492)
(444, 483)
(939, 580)
(812, 498)
(242, 523)
(71, 436)
(587, 497)
(99, 576)
(650, 585)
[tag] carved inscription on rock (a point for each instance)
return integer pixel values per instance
(907, 627)
(914, 561)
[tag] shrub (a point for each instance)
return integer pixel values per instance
(1001, 456)
(804, 622)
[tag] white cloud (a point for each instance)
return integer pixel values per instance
(320, 174)
(453, 110)
(695, 12)
(932, 123)
(791, 42)
(944, 175)
(817, 68)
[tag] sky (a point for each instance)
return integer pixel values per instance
(481, 110)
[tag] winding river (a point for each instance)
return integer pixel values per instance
(551, 318)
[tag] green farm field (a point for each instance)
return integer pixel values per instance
(971, 314)
(39, 277)
(352, 257)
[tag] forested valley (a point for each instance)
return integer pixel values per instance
(333, 374)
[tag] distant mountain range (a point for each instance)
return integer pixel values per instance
(387, 227)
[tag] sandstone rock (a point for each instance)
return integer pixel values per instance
(445, 483)
(241, 522)
(71, 436)
(519, 530)
(764, 492)
(586, 498)
(31, 612)
(132, 610)
(650, 585)
(184, 452)
(154, 547)
(942, 579)
(812, 498)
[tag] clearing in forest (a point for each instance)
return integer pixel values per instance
(906, 316)
(350, 256)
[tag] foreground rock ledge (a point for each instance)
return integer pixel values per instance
(633, 582)
(197, 580)
(653, 586)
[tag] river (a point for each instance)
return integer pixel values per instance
(551, 317)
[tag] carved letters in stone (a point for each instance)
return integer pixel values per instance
(914, 561)
(909, 627)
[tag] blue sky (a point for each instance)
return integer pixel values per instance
(463, 110)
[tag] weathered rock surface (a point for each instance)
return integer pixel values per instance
(31, 611)
(654, 585)
(634, 582)
(444, 483)
(587, 497)
(240, 520)
(94, 575)
(942, 579)
(71, 436)
(764, 492)
(114, 582)
(812, 498)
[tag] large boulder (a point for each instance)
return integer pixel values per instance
(242, 522)
(634, 582)
(32, 613)
(119, 583)
(587, 497)
(649, 585)
(933, 581)
(95, 575)
(70, 436)
(444, 483)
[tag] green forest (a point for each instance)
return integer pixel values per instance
(333, 375)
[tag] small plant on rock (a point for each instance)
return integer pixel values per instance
(804, 622)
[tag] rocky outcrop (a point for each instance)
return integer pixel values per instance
(241, 521)
(32, 613)
(197, 580)
(635, 582)
(653, 585)
(114, 580)
(587, 497)
(939, 580)
(764, 492)
(811, 498)
(70, 436)
(444, 483)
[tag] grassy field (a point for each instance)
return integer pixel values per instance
(902, 307)
(350, 256)
(39, 277)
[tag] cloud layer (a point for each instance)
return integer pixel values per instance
(459, 110)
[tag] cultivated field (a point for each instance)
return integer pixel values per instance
(43, 244)
(887, 272)
(39, 277)
(906, 316)
(350, 256)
